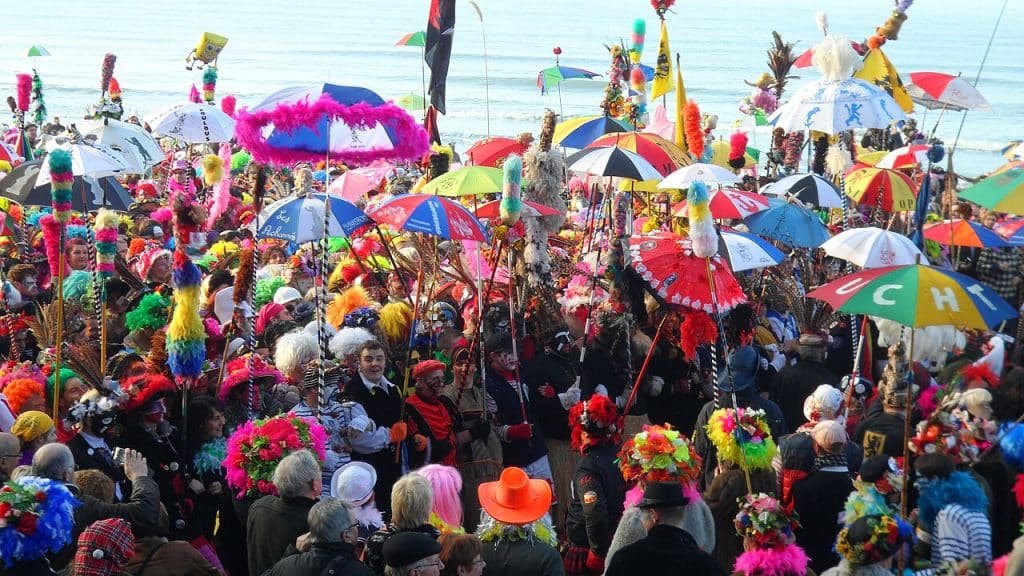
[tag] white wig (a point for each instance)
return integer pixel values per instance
(348, 340)
(294, 351)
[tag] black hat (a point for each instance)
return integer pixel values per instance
(405, 548)
(873, 469)
(663, 495)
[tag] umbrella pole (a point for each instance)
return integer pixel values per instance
(408, 353)
(394, 264)
(59, 295)
(906, 427)
(643, 367)
(512, 329)
(855, 373)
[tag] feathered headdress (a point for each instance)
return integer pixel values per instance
(145, 389)
(37, 516)
(150, 314)
(395, 319)
(599, 418)
(238, 374)
(353, 298)
(742, 436)
(872, 539)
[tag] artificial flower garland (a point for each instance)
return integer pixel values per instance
(36, 517)
(659, 454)
(255, 449)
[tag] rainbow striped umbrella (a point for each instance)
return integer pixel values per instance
(1003, 192)
(434, 215)
(959, 232)
(917, 295)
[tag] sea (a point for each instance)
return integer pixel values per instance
(497, 54)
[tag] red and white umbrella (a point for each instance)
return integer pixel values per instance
(667, 263)
(491, 209)
(9, 154)
(937, 90)
(911, 156)
(729, 203)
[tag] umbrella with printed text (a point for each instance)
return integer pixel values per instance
(917, 295)
(194, 123)
(666, 262)
(661, 153)
(728, 203)
(872, 247)
(582, 130)
(889, 190)
(1003, 192)
(429, 214)
(808, 188)
(493, 151)
(466, 181)
(936, 90)
(959, 232)
(550, 77)
(300, 219)
(9, 154)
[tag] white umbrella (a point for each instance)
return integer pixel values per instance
(873, 247)
(746, 251)
(809, 188)
(86, 160)
(194, 123)
(138, 147)
(834, 106)
(707, 173)
(615, 161)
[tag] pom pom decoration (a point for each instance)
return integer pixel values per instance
(411, 141)
(51, 244)
(659, 454)
(61, 178)
(703, 236)
(935, 153)
(511, 203)
(37, 516)
(24, 91)
(115, 90)
(227, 105)
(105, 229)
(662, 6)
(213, 168)
(835, 58)
(696, 329)
(737, 150)
(107, 72)
(694, 133)
(209, 84)
(256, 448)
(353, 298)
(742, 436)
(636, 41)
(193, 95)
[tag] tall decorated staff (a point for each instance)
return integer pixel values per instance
(61, 178)
(662, 82)
(38, 108)
(19, 107)
(109, 105)
(105, 232)
(545, 169)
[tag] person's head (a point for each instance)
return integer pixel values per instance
(10, 453)
(76, 251)
(71, 388)
(461, 555)
(663, 503)
(96, 484)
(54, 461)
(412, 499)
(372, 360)
(160, 268)
(104, 547)
(989, 219)
(298, 476)
(24, 395)
(23, 277)
(812, 347)
(502, 352)
(595, 422)
(829, 437)
(331, 520)
(34, 429)
(429, 376)
(744, 362)
(293, 352)
(823, 404)
(353, 483)
(872, 539)
(205, 419)
(273, 255)
(764, 523)
(412, 554)
(447, 487)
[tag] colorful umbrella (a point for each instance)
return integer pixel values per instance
(959, 232)
(791, 224)
(708, 173)
(614, 161)
(491, 209)
(837, 106)
(663, 154)
(193, 123)
(418, 38)
(466, 181)
(912, 156)
(807, 188)
(5, 224)
(582, 130)
(412, 102)
(300, 219)
(552, 76)
(720, 150)
(871, 158)
(747, 251)
(37, 50)
(917, 295)
(872, 247)
(728, 203)
(937, 90)
(493, 151)
(1008, 166)
(889, 190)
(352, 185)
(9, 154)
(1012, 231)
(430, 214)
(667, 263)
(1003, 192)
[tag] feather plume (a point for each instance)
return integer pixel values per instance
(636, 40)
(106, 243)
(213, 168)
(697, 329)
(245, 276)
(821, 20)
(395, 319)
(107, 72)
(85, 361)
(44, 324)
(12, 104)
(227, 105)
(737, 150)
(351, 299)
(222, 191)
(547, 131)
(24, 91)
(511, 203)
(694, 134)
(835, 58)
(209, 84)
(838, 159)
(115, 90)
(780, 62)
(703, 236)
(193, 95)
(51, 243)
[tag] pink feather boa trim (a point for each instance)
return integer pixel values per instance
(106, 235)
(790, 560)
(411, 140)
(51, 243)
(635, 494)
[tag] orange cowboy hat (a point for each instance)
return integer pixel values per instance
(515, 498)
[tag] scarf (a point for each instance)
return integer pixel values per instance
(828, 460)
(437, 418)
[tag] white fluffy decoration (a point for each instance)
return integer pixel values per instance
(835, 58)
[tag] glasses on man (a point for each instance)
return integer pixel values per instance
(439, 565)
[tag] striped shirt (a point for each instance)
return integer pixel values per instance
(961, 534)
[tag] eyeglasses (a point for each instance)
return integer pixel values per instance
(439, 565)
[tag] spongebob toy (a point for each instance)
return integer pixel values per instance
(206, 51)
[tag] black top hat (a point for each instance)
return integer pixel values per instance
(663, 495)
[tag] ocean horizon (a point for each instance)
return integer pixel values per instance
(275, 44)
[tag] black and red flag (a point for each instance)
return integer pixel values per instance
(438, 49)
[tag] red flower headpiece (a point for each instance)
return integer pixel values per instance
(238, 374)
(599, 418)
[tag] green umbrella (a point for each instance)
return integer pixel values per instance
(37, 50)
(467, 181)
(412, 102)
(1003, 192)
(418, 38)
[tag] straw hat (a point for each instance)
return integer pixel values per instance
(515, 498)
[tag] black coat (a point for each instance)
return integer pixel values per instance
(273, 524)
(745, 399)
(665, 551)
(818, 500)
(793, 384)
(336, 555)
(598, 491)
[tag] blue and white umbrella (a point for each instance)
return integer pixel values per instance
(375, 136)
(747, 251)
(300, 219)
(791, 224)
(834, 106)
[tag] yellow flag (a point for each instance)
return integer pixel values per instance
(680, 137)
(879, 71)
(662, 83)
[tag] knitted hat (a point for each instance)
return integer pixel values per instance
(424, 367)
(267, 314)
(104, 548)
(31, 425)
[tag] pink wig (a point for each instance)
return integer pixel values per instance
(447, 484)
(790, 560)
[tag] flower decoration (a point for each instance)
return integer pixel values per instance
(36, 517)
(364, 317)
(255, 449)
(877, 538)
(238, 374)
(599, 418)
(742, 436)
(662, 6)
(765, 520)
(659, 454)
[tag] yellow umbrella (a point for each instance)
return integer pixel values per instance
(720, 155)
(889, 190)
(871, 158)
(466, 181)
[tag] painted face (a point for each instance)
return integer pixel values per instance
(507, 361)
(27, 287)
(371, 364)
(429, 386)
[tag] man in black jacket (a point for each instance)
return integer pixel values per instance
(667, 549)
(55, 461)
(274, 522)
(333, 532)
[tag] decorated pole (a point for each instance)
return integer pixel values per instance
(61, 178)
(105, 232)
(646, 363)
